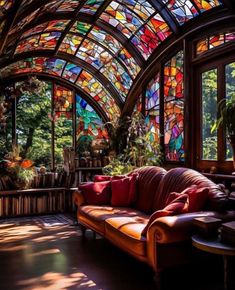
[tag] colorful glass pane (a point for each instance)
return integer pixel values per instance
(153, 93)
(70, 43)
(71, 72)
(63, 99)
(230, 37)
(129, 62)
(55, 66)
(152, 121)
(145, 41)
(105, 39)
(48, 40)
(141, 7)
(68, 5)
(91, 6)
(27, 44)
(138, 105)
(182, 10)
(216, 40)
(93, 54)
(121, 18)
(159, 26)
(118, 76)
(89, 122)
(80, 27)
(98, 92)
(205, 5)
(202, 46)
(36, 30)
(57, 25)
(174, 108)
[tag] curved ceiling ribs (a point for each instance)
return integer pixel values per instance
(112, 42)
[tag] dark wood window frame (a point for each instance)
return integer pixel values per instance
(221, 164)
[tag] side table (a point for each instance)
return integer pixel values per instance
(214, 246)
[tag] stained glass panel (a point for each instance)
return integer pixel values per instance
(118, 76)
(91, 6)
(106, 39)
(153, 93)
(174, 108)
(182, 10)
(80, 27)
(205, 5)
(93, 54)
(213, 41)
(70, 43)
(202, 46)
(89, 122)
(71, 72)
(68, 5)
(152, 121)
(121, 18)
(216, 40)
(63, 100)
(94, 88)
(54, 66)
(129, 62)
(141, 7)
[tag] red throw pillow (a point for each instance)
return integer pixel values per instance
(197, 197)
(177, 206)
(99, 178)
(123, 191)
(96, 193)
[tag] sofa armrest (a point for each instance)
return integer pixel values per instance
(170, 229)
(78, 198)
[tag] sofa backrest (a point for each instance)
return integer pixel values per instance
(147, 186)
(178, 179)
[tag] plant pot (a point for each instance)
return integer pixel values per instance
(232, 143)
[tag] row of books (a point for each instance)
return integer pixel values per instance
(27, 204)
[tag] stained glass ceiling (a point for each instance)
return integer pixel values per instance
(99, 46)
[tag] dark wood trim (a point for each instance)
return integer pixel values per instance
(74, 120)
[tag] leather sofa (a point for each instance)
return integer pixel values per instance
(167, 242)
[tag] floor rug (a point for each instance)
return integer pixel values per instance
(43, 220)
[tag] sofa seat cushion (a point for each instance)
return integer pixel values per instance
(94, 216)
(125, 232)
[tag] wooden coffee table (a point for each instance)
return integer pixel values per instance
(214, 246)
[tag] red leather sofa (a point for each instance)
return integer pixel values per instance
(167, 239)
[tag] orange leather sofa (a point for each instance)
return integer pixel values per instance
(167, 242)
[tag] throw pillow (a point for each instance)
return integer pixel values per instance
(96, 193)
(99, 178)
(123, 191)
(197, 197)
(176, 206)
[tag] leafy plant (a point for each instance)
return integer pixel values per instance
(139, 151)
(226, 115)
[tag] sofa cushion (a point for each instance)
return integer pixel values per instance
(99, 178)
(96, 193)
(178, 179)
(123, 191)
(177, 205)
(94, 216)
(148, 187)
(125, 232)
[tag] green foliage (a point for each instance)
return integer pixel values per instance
(140, 150)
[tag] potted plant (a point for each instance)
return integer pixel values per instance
(226, 118)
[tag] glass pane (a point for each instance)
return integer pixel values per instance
(34, 126)
(174, 108)
(209, 114)
(230, 91)
(63, 108)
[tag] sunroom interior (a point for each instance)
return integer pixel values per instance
(126, 108)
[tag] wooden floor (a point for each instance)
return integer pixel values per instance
(33, 257)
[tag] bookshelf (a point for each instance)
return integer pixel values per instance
(35, 201)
